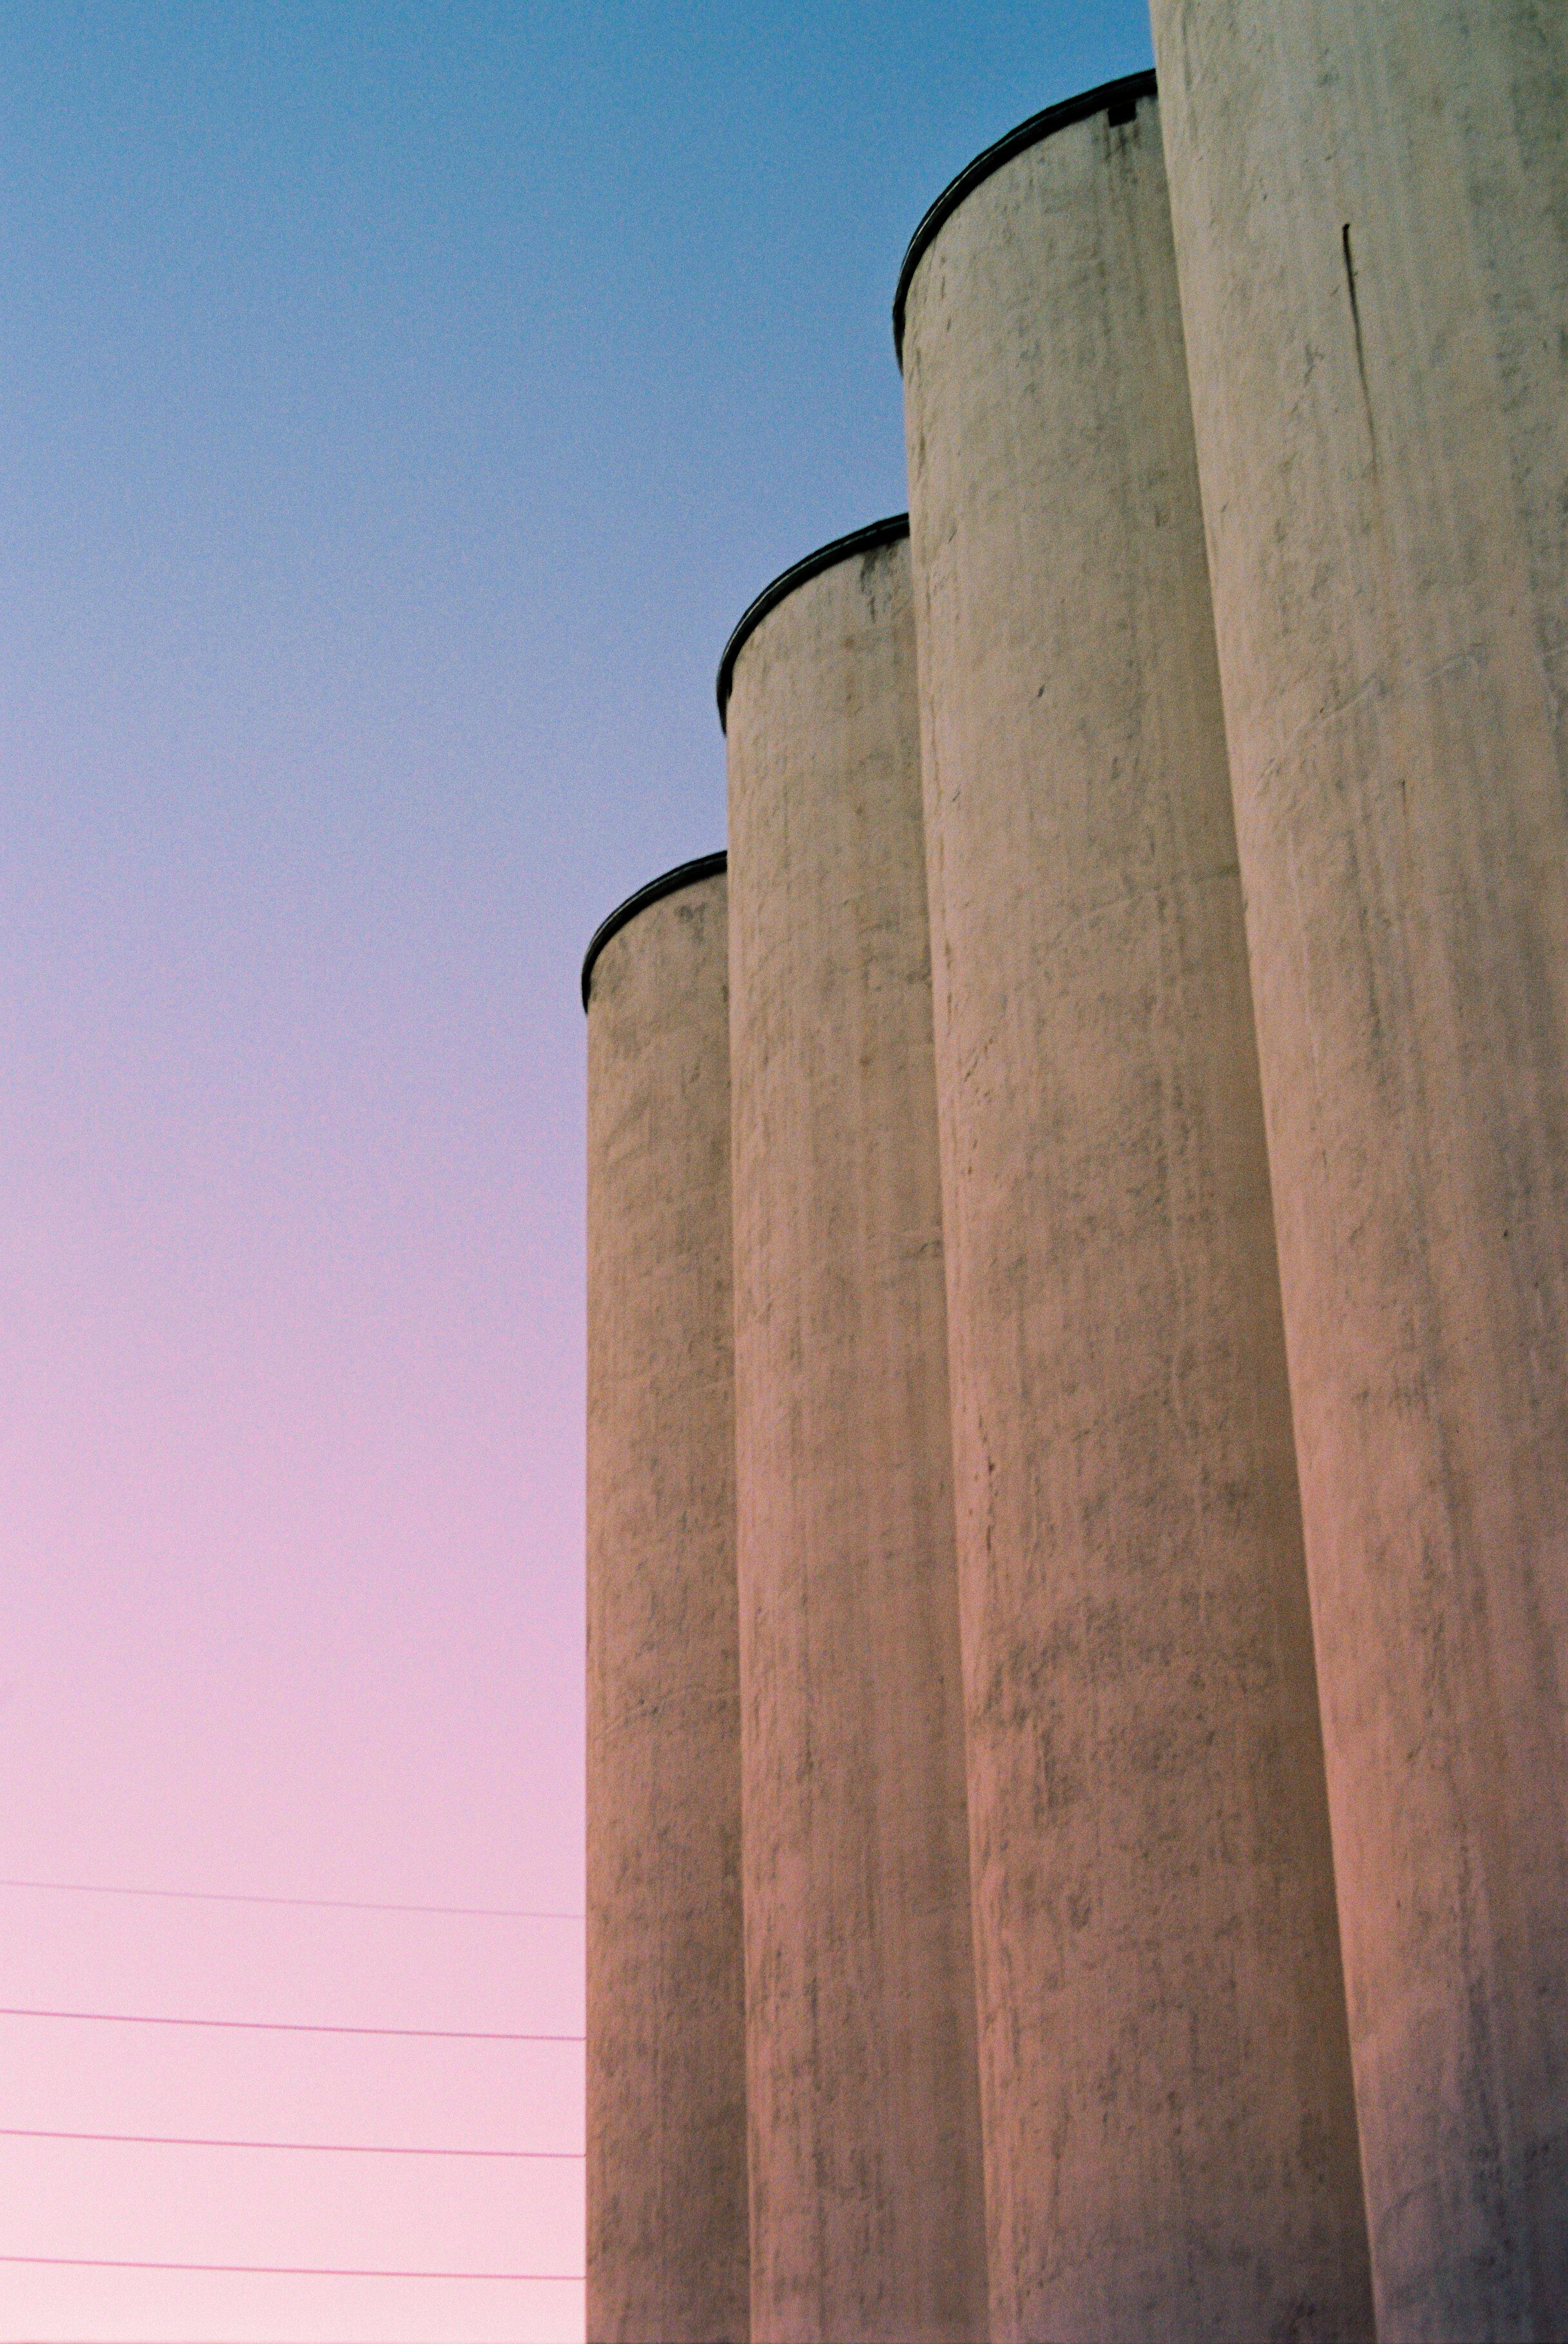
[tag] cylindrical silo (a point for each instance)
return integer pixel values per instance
(667, 2255)
(1371, 200)
(865, 2173)
(1171, 2143)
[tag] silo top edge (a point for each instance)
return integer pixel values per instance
(668, 882)
(1109, 97)
(838, 549)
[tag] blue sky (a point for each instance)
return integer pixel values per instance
(426, 389)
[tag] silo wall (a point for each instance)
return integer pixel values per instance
(865, 2171)
(1371, 200)
(1169, 2132)
(666, 2169)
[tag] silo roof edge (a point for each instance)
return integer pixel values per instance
(838, 549)
(668, 882)
(1128, 87)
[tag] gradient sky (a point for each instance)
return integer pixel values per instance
(397, 405)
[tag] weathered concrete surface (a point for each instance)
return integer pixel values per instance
(866, 2214)
(1371, 213)
(667, 2217)
(1170, 2133)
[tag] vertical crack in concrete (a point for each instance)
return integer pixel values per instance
(1356, 324)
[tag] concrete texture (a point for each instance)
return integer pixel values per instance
(1372, 212)
(865, 2173)
(667, 2217)
(1170, 2132)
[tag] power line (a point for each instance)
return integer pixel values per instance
(313, 1904)
(293, 2026)
(287, 2270)
(326, 2148)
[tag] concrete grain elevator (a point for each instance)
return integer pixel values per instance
(1169, 2130)
(1371, 224)
(666, 2055)
(865, 2179)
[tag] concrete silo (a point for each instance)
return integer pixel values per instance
(1171, 2143)
(666, 2040)
(865, 2171)
(1370, 201)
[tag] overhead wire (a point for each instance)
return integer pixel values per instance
(313, 1904)
(287, 2270)
(324, 2148)
(290, 2027)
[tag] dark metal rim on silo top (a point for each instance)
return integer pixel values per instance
(838, 549)
(1119, 99)
(668, 882)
